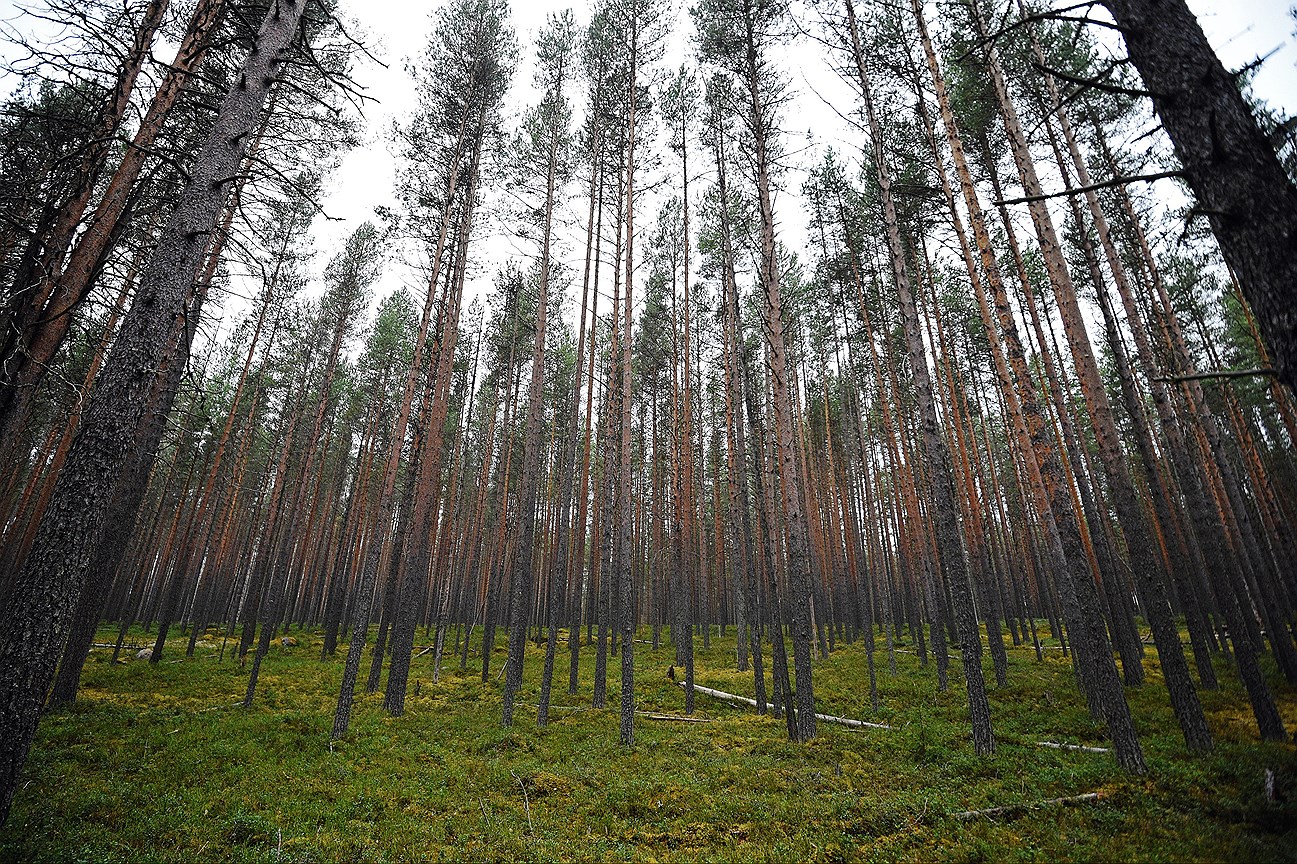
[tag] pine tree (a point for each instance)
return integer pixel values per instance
(51, 581)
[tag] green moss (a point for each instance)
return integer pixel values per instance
(158, 762)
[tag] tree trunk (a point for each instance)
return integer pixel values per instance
(51, 581)
(70, 283)
(1228, 163)
(1139, 537)
(936, 453)
(794, 517)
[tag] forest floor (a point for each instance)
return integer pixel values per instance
(158, 763)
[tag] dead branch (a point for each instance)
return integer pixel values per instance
(1224, 373)
(1080, 190)
(679, 718)
(1082, 748)
(827, 718)
(1094, 83)
(526, 803)
(1048, 15)
(218, 707)
(966, 815)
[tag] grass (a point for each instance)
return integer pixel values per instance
(155, 763)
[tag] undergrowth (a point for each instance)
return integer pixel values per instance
(157, 762)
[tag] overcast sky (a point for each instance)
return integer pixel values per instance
(1240, 30)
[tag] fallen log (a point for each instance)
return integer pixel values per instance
(1080, 747)
(847, 721)
(966, 815)
(827, 718)
(679, 718)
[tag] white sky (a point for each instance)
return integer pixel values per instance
(1239, 30)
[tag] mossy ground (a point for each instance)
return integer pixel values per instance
(155, 763)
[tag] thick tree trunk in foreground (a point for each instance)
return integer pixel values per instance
(20, 366)
(110, 546)
(50, 583)
(1231, 167)
(71, 283)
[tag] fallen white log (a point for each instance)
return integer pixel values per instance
(1080, 747)
(847, 721)
(1010, 808)
(653, 715)
(827, 718)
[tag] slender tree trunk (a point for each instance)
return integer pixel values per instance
(521, 586)
(624, 502)
(740, 498)
(1120, 728)
(794, 517)
(567, 550)
(386, 508)
(1139, 539)
(937, 455)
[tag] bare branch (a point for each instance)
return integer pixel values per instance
(1095, 83)
(1225, 373)
(1047, 15)
(1079, 190)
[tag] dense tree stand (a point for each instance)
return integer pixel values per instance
(732, 383)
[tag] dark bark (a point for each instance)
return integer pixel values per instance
(1228, 162)
(68, 285)
(50, 583)
(123, 509)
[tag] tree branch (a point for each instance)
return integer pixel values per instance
(1095, 83)
(1225, 373)
(966, 815)
(1080, 190)
(991, 37)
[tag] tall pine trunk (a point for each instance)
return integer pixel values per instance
(51, 581)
